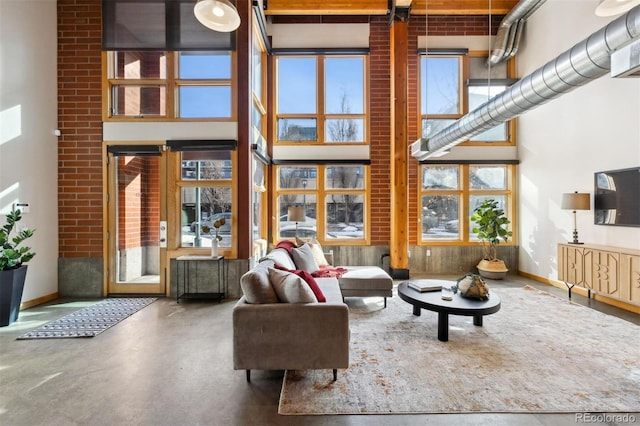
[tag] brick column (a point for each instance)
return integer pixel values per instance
(380, 129)
(79, 148)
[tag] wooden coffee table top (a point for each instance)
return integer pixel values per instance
(432, 301)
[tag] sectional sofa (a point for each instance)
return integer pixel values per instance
(292, 313)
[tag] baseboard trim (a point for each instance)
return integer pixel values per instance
(39, 301)
(583, 292)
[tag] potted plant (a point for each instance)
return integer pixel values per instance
(13, 257)
(491, 227)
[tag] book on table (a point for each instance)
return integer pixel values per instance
(425, 285)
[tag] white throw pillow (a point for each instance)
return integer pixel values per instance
(257, 287)
(290, 288)
(281, 257)
(318, 253)
(304, 258)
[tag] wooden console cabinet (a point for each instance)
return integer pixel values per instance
(609, 271)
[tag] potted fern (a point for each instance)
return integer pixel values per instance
(491, 227)
(13, 269)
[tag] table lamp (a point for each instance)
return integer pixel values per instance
(296, 214)
(575, 201)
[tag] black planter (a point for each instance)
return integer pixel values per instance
(11, 286)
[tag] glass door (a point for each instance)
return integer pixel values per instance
(135, 240)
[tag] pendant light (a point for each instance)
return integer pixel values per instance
(218, 15)
(615, 7)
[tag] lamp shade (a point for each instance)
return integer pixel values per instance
(576, 201)
(615, 7)
(218, 15)
(296, 214)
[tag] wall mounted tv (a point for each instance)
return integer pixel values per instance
(617, 197)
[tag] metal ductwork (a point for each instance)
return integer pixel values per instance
(584, 62)
(507, 39)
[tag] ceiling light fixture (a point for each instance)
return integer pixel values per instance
(218, 15)
(615, 7)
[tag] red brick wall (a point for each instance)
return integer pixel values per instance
(130, 205)
(416, 28)
(80, 121)
(454, 25)
(151, 197)
(138, 201)
(380, 110)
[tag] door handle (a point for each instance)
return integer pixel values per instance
(163, 233)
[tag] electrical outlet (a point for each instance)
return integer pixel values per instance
(428, 252)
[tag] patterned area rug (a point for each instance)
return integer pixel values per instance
(90, 321)
(539, 353)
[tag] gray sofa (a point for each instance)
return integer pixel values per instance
(295, 336)
(276, 330)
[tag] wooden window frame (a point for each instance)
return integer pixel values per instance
(260, 101)
(464, 97)
(175, 186)
(320, 192)
(172, 86)
(464, 192)
(320, 115)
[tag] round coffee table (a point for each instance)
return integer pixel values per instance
(432, 301)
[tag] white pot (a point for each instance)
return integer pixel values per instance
(214, 247)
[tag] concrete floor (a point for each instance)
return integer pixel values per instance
(171, 364)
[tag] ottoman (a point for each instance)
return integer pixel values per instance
(366, 281)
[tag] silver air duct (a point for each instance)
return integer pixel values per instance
(584, 62)
(507, 39)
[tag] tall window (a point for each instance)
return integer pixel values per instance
(440, 95)
(447, 94)
(333, 198)
(206, 195)
(170, 85)
(450, 192)
(259, 125)
(321, 99)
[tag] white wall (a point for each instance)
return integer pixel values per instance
(318, 35)
(561, 144)
(28, 116)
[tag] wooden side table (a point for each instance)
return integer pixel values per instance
(189, 290)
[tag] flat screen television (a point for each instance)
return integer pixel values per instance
(617, 197)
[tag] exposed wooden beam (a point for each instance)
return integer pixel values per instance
(326, 7)
(462, 7)
(380, 7)
(399, 242)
